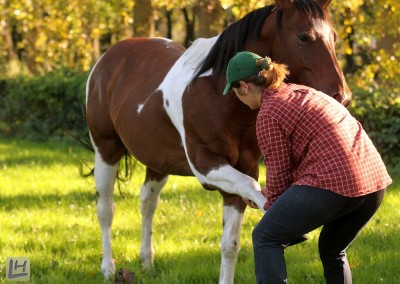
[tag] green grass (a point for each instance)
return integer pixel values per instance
(48, 213)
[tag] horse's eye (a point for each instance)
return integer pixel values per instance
(304, 38)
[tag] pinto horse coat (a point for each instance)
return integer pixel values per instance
(164, 105)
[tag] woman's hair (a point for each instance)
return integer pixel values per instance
(269, 78)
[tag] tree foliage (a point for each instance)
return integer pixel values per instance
(43, 35)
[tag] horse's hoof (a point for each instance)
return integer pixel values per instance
(108, 269)
(147, 263)
(147, 259)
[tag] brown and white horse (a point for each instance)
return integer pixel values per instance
(164, 105)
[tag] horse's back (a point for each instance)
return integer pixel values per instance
(123, 81)
(131, 63)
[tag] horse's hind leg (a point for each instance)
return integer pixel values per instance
(105, 175)
(149, 196)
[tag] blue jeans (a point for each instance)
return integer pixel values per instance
(301, 209)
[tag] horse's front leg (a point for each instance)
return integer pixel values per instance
(230, 243)
(234, 186)
(149, 196)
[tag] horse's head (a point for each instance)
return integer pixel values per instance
(304, 39)
(298, 33)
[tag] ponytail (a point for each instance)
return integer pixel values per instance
(273, 73)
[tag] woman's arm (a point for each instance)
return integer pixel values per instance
(276, 148)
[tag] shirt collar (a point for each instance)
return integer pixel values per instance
(268, 93)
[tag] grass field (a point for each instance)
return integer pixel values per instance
(48, 213)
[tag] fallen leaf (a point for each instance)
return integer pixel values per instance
(124, 276)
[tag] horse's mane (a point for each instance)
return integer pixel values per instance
(233, 38)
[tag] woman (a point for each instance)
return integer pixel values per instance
(322, 169)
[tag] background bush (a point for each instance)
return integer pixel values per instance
(376, 103)
(43, 107)
(381, 121)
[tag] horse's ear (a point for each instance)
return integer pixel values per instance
(324, 3)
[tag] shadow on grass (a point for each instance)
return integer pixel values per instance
(38, 159)
(43, 201)
(24, 152)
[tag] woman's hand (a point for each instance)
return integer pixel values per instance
(250, 203)
(264, 191)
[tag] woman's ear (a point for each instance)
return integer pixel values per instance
(244, 87)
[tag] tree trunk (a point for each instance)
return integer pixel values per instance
(189, 24)
(210, 18)
(168, 14)
(10, 47)
(143, 25)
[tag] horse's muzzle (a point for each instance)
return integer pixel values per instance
(344, 99)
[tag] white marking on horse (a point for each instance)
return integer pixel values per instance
(324, 30)
(139, 108)
(177, 79)
(142, 105)
(232, 181)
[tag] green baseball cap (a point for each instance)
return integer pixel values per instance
(240, 66)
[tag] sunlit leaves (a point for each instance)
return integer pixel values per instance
(241, 7)
(51, 34)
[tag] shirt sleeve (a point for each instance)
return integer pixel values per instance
(276, 149)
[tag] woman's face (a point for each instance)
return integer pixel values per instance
(249, 94)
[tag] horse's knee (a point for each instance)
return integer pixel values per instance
(230, 243)
(230, 248)
(105, 211)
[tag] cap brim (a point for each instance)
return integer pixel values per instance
(227, 88)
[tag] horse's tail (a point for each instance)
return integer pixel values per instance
(84, 140)
(125, 171)
(126, 167)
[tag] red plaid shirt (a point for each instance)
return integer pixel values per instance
(308, 138)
